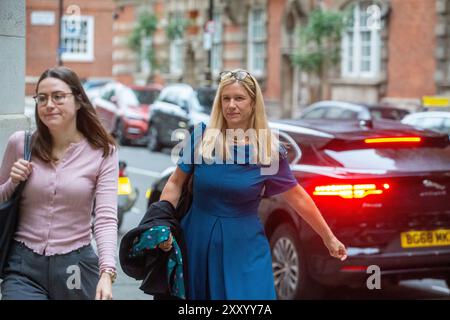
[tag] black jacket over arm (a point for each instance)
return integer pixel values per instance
(152, 266)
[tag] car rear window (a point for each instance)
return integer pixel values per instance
(395, 159)
(386, 113)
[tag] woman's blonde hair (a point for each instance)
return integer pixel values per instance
(263, 141)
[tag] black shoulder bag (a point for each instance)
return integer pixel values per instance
(9, 212)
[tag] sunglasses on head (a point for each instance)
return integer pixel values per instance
(238, 75)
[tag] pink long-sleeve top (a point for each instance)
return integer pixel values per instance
(57, 201)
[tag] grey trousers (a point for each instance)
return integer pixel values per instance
(31, 276)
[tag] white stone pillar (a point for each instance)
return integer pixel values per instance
(12, 69)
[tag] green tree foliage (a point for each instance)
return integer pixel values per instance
(145, 28)
(319, 45)
(320, 41)
(176, 28)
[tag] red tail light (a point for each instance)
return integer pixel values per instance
(350, 191)
(354, 268)
(393, 140)
(122, 172)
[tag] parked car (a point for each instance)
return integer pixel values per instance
(179, 106)
(432, 120)
(384, 192)
(339, 110)
(122, 114)
(147, 94)
(93, 86)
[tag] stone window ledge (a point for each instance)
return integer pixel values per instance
(359, 81)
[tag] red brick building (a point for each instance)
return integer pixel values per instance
(86, 37)
(399, 51)
(393, 50)
(412, 43)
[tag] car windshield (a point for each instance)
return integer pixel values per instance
(206, 98)
(89, 84)
(146, 96)
(128, 98)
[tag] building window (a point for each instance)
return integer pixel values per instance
(256, 42)
(176, 28)
(145, 55)
(216, 49)
(77, 38)
(176, 56)
(361, 41)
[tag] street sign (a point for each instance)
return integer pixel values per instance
(434, 101)
(42, 18)
(207, 41)
(209, 27)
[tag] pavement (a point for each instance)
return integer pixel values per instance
(125, 288)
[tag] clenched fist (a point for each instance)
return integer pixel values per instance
(166, 245)
(21, 170)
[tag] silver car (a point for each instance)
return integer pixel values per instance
(433, 120)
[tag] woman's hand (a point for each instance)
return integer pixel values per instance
(104, 288)
(300, 200)
(20, 171)
(336, 248)
(166, 245)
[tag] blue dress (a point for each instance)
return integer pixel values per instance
(228, 253)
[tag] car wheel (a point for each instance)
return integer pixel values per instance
(291, 277)
(153, 143)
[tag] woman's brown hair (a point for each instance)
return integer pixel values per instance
(88, 122)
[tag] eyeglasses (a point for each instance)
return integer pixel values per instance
(238, 75)
(57, 98)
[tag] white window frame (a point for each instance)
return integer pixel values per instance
(254, 40)
(88, 55)
(176, 49)
(176, 56)
(356, 55)
(217, 45)
(145, 65)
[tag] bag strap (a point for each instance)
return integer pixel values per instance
(27, 157)
(27, 146)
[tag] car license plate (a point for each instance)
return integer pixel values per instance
(418, 239)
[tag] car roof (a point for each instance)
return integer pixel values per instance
(185, 86)
(342, 104)
(179, 85)
(150, 86)
(354, 105)
(353, 130)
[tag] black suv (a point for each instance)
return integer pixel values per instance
(383, 188)
(179, 106)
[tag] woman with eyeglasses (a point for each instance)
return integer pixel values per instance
(73, 161)
(228, 254)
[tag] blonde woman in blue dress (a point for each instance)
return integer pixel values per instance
(228, 254)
